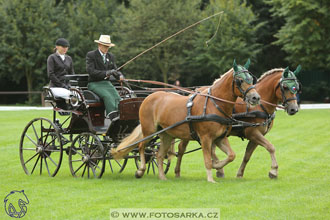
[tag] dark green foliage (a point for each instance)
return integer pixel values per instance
(273, 33)
(305, 34)
(270, 56)
(236, 38)
(84, 22)
(28, 33)
(145, 24)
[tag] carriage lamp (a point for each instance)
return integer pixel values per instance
(74, 101)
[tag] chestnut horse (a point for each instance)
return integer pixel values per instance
(275, 86)
(161, 110)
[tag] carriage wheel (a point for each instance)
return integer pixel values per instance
(86, 156)
(152, 164)
(41, 147)
(151, 159)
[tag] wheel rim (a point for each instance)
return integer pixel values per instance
(41, 147)
(86, 156)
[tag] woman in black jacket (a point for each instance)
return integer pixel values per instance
(59, 64)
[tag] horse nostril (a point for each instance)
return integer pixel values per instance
(256, 98)
(293, 110)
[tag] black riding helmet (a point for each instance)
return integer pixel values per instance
(62, 42)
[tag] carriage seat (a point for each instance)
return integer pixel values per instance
(92, 99)
(60, 93)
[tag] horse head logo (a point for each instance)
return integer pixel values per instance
(15, 204)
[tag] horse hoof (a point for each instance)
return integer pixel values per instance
(138, 175)
(272, 176)
(220, 175)
(239, 176)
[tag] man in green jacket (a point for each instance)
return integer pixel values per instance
(100, 65)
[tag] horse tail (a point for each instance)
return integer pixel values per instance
(121, 151)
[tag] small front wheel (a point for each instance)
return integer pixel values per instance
(87, 156)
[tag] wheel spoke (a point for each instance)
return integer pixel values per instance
(153, 167)
(35, 132)
(47, 166)
(76, 161)
(95, 165)
(29, 149)
(148, 168)
(31, 140)
(35, 164)
(79, 168)
(47, 135)
(88, 170)
(41, 131)
(52, 150)
(118, 163)
(93, 172)
(110, 165)
(51, 142)
(51, 159)
(31, 158)
(154, 161)
(41, 166)
(77, 152)
(82, 175)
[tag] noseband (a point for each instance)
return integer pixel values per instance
(238, 83)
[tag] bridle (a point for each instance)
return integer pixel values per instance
(285, 100)
(246, 76)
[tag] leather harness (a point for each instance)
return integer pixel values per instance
(227, 120)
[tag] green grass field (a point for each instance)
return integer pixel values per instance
(302, 190)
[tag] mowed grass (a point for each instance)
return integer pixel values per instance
(302, 190)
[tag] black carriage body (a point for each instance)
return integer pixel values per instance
(89, 116)
(80, 129)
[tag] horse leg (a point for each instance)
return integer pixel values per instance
(220, 172)
(165, 144)
(207, 151)
(259, 139)
(182, 148)
(248, 153)
(271, 149)
(224, 145)
(139, 173)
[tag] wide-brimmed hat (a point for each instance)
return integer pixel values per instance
(105, 40)
(62, 42)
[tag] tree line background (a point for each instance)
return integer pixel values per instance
(273, 33)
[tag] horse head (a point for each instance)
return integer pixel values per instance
(289, 87)
(243, 84)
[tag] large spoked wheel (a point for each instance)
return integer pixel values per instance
(151, 159)
(87, 156)
(41, 147)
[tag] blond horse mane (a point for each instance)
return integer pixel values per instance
(221, 76)
(269, 72)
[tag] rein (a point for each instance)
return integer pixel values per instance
(181, 89)
(192, 92)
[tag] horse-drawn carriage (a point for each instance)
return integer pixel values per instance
(80, 129)
(152, 123)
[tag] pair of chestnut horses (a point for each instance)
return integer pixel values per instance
(208, 116)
